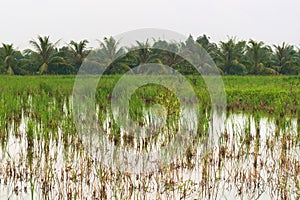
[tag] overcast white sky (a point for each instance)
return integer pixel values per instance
(272, 21)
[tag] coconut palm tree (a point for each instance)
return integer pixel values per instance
(257, 55)
(142, 53)
(79, 52)
(285, 59)
(197, 56)
(44, 53)
(145, 53)
(110, 56)
(168, 53)
(109, 51)
(230, 56)
(8, 57)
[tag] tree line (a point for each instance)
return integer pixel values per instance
(232, 57)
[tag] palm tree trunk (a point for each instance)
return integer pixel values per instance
(10, 71)
(44, 68)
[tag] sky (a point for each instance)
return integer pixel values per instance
(272, 21)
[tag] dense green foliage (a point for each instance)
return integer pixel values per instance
(232, 57)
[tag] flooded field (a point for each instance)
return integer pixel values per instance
(252, 158)
(232, 155)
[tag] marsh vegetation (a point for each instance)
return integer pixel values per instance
(255, 154)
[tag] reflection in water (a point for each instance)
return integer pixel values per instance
(235, 156)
